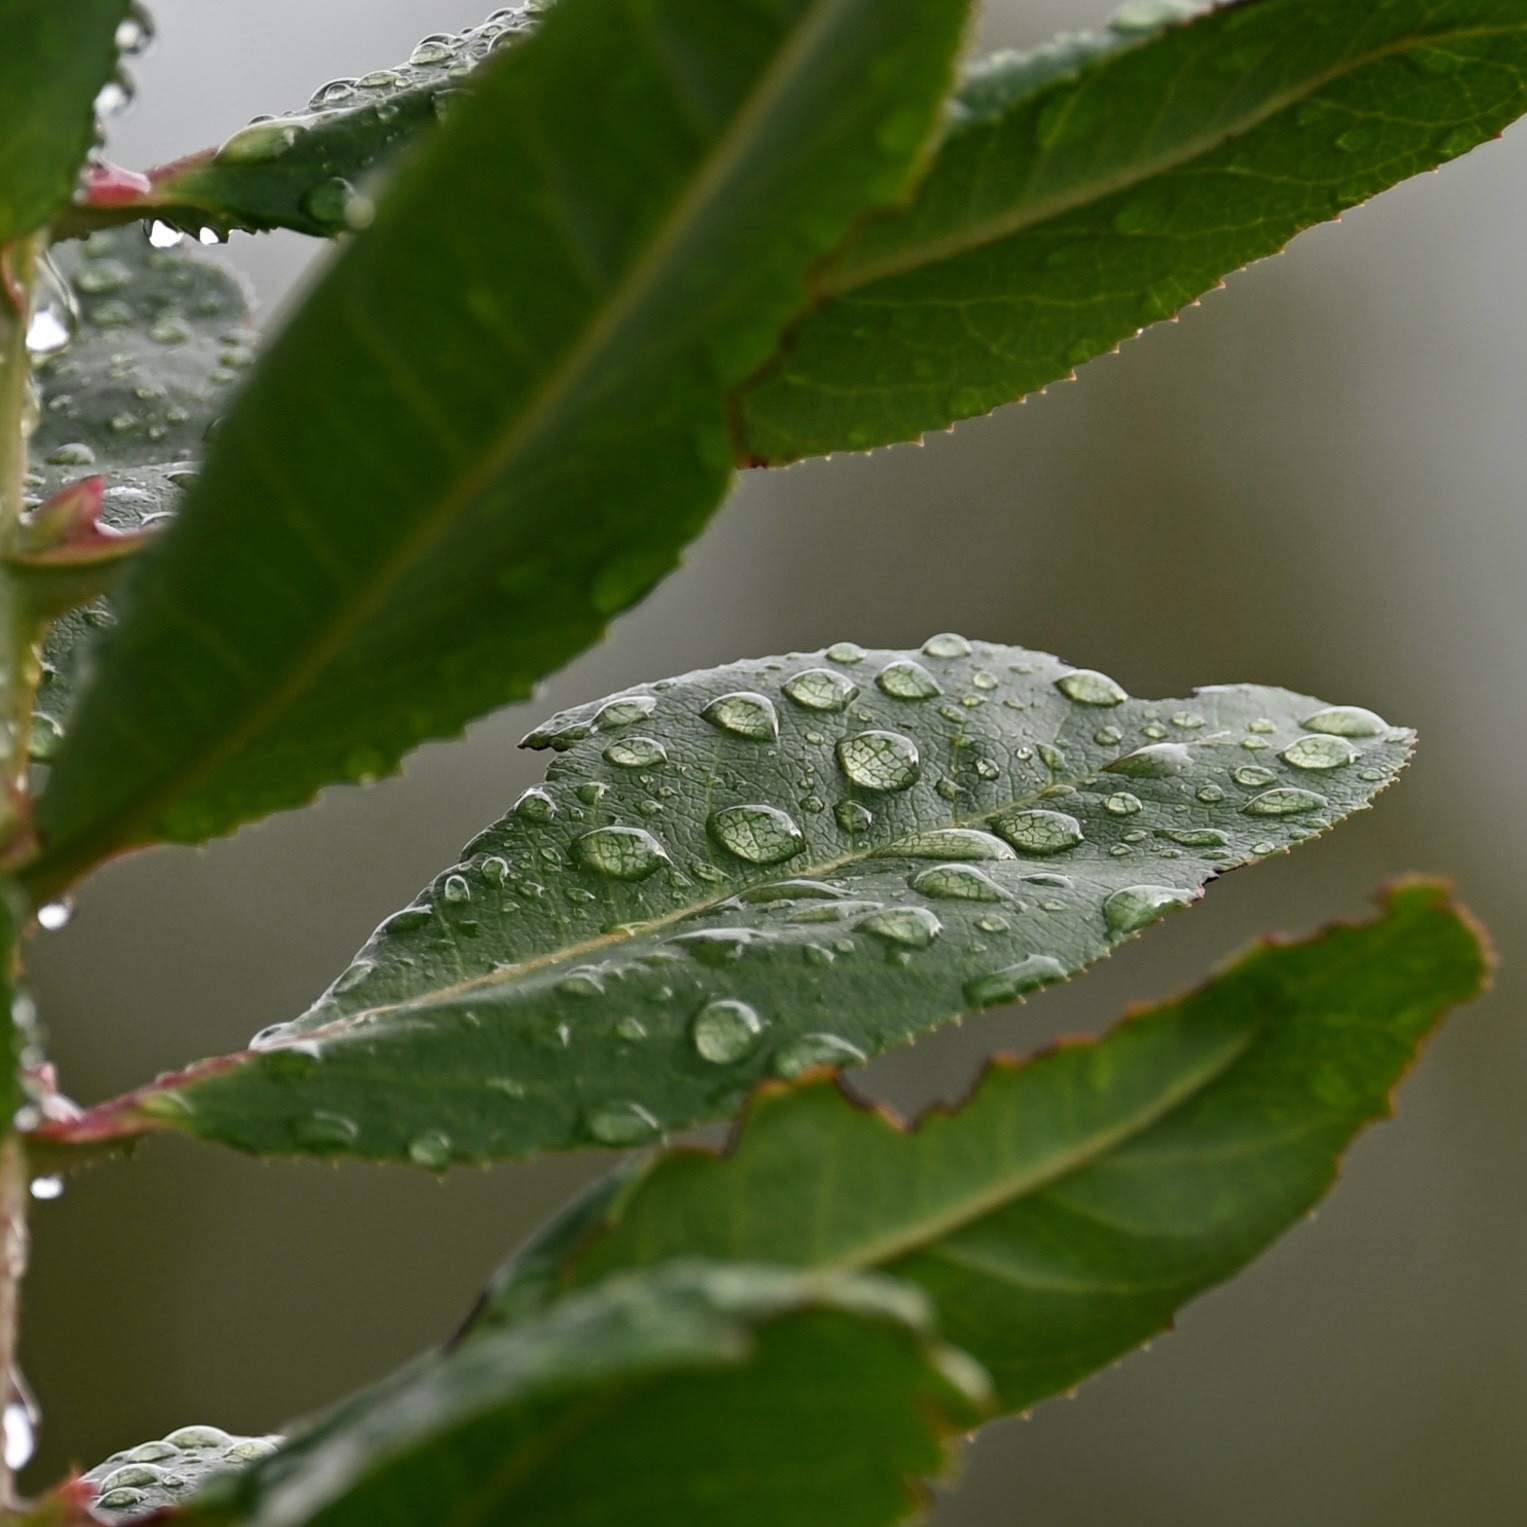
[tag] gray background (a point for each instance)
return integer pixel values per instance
(1314, 479)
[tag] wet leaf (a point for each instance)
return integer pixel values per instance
(166, 1472)
(765, 867)
(1099, 185)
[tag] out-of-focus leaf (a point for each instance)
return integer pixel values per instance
(497, 421)
(1059, 1217)
(1101, 184)
(768, 866)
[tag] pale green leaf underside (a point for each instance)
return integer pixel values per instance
(1065, 1212)
(712, 1396)
(702, 895)
(1096, 188)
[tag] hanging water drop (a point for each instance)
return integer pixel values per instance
(19, 1422)
(1040, 832)
(880, 761)
(820, 689)
(1086, 686)
(45, 1189)
(744, 714)
(162, 236)
(55, 914)
(726, 1031)
(55, 315)
(1137, 906)
(759, 834)
(621, 853)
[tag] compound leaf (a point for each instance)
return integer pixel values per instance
(495, 423)
(759, 868)
(1103, 183)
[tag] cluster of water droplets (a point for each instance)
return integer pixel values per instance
(157, 1476)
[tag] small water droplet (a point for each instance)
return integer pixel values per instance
(325, 1131)
(591, 792)
(535, 806)
(1107, 736)
(1346, 721)
(957, 882)
(632, 1029)
(456, 888)
(47, 1188)
(881, 761)
(910, 927)
(744, 714)
(1319, 751)
(19, 1422)
(820, 689)
(1211, 795)
(622, 853)
(1255, 744)
(1194, 837)
(1156, 761)
(335, 204)
(906, 680)
(1264, 847)
(1040, 832)
(74, 454)
(846, 653)
(431, 1149)
(55, 914)
(622, 1124)
(1285, 801)
(1122, 805)
(852, 817)
(1188, 720)
(1154, 731)
(1014, 981)
(811, 1050)
(430, 52)
(169, 330)
(759, 834)
(636, 753)
(1088, 687)
(1372, 776)
(726, 1031)
(947, 644)
(1253, 776)
(984, 680)
(1137, 906)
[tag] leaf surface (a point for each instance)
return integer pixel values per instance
(159, 1475)
(1061, 1216)
(55, 60)
(731, 1395)
(763, 867)
(1105, 182)
(498, 419)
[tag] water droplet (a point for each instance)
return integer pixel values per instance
(1106, 736)
(152, 1452)
(792, 890)
(74, 454)
(1263, 725)
(947, 644)
(535, 806)
(632, 1029)
(1211, 795)
(910, 927)
(966, 843)
(846, 653)
(1319, 751)
(725, 1032)
(1040, 832)
(430, 52)
(1157, 761)
(882, 761)
(624, 710)
(1285, 801)
(591, 792)
(261, 142)
(1153, 731)
(957, 882)
(55, 914)
(325, 1131)
(46, 1189)
(759, 834)
(1014, 981)
(811, 1050)
(162, 236)
(584, 982)
(820, 689)
(1253, 776)
(744, 714)
(622, 1124)
(1137, 906)
(456, 888)
(1373, 776)
(987, 770)
(636, 753)
(132, 1476)
(1346, 721)
(906, 680)
(336, 204)
(431, 1149)
(250, 1449)
(622, 853)
(1088, 687)
(1122, 805)
(1188, 720)
(1264, 847)
(1194, 837)
(55, 316)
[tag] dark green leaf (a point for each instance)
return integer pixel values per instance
(711, 1397)
(767, 866)
(1102, 184)
(1062, 1215)
(164, 334)
(497, 421)
(54, 62)
(166, 1472)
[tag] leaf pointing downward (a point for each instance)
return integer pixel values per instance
(764, 867)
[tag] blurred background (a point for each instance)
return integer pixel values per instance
(1315, 479)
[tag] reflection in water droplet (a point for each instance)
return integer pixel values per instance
(431, 1149)
(1346, 721)
(622, 853)
(55, 316)
(949, 843)
(1157, 761)
(636, 753)
(810, 1050)
(1319, 751)
(725, 1032)
(1014, 981)
(744, 714)
(162, 236)
(1122, 805)
(947, 644)
(45, 1189)
(626, 710)
(622, 1124)
(957, 882)
(759, 834)
(852, 817)
(1088, 687)
(906, 680)
(1137, 906)
(882, 761)
(54, 915)
(535, 806)
(846, 653)
(820, 689)
(910, 927)
(1284, 802)
(1040, 832)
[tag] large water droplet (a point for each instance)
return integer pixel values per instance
(957, 882)
(636, 753)
(820, 689)
(1040, 832)
(431, 1149)
(949, 843)
(947, 644)
(1137, 906)
(622, 853)
(910, 927)
(622, 1124)
(810, 1050)
(263, 141)
(625, 710)
(846, 653)
(1014, 981)
(1157, 761)
(535, 806)
(882, 761)
(1088, 687)
(1346, 721)
(759, 834)
(725, 1032)
(906, 680)
(1286, 801)
(744, 714)
(1319, 751)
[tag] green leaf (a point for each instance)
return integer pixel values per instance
(158, 1475)
(764, 867)
(308, 170)
(164, 335)
(1060, 1216)
(1100, 185)
(498, 419)
(55, 60)
(715, 1397)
